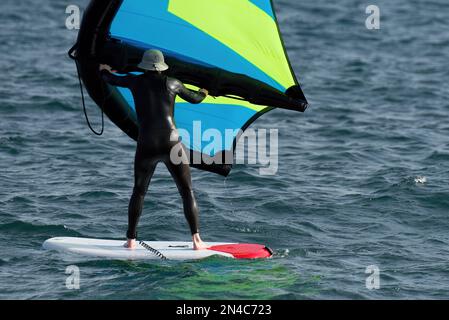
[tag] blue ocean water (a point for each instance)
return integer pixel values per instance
(363, 174)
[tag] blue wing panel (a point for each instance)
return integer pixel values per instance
(149, 23)
(264, 5)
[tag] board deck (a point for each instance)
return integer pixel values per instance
(150, 250)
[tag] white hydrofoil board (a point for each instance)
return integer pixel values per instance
(147, 250)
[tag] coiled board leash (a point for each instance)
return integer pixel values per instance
(153, 251)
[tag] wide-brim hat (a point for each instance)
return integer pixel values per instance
(153, 60)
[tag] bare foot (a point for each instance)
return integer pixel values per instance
(198, 244)
(130, 244)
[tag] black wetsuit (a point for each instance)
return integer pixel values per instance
(154, 97)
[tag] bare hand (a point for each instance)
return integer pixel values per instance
(105, 67)
(204, 91)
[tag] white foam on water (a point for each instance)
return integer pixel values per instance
(421, 180)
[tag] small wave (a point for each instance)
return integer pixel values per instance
(246, 229)
(438, 156)
(18, 227)
(98, 194)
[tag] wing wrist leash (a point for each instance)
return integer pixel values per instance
(232, 48)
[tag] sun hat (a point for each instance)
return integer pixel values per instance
(153, 60)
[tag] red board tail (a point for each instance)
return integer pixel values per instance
(244, 250)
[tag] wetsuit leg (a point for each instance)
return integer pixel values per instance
(182, 177)
(144, 167)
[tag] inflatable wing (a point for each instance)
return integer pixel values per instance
(233, 48)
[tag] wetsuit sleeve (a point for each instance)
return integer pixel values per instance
(123, 81)
(191, 96)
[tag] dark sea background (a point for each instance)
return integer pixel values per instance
(363, 175)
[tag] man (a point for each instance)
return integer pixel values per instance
(154, 98)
